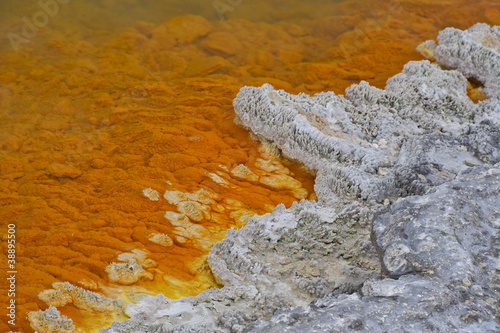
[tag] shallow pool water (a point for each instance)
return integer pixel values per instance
(118, 140)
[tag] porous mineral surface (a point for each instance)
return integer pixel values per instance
(405, 235)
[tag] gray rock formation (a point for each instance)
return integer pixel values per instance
(474, 53)
(405, 235)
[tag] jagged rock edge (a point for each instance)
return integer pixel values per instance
(415, 144)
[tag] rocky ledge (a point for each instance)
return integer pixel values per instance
(405, 235)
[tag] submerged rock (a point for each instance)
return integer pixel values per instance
(405, 232)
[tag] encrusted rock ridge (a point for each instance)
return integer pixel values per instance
(405, 234)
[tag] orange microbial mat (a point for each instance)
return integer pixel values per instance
(120, 160)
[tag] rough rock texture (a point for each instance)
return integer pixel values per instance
(64, 293)
(51, 321)
(442, 252)
(407, 180)
(473, 52)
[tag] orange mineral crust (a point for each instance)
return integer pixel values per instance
(120, 161)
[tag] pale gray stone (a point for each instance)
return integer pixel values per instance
(405, 235)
